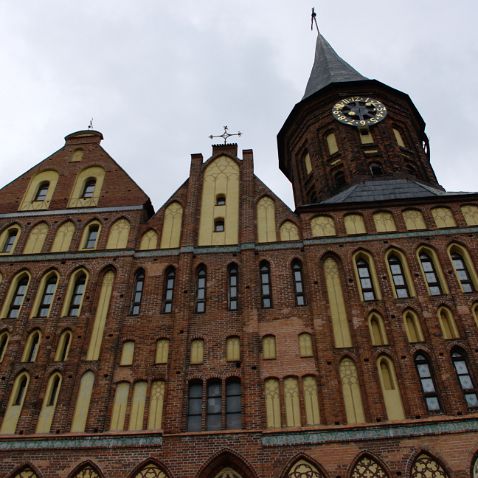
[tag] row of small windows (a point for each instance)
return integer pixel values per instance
(293, 402)
(364, 466)
(46, 292)
(117, 237)
(384, 221)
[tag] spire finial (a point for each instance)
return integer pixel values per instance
(225, 135)
(313, 21)
(90, 126)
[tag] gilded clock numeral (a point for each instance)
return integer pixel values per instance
(359, 111)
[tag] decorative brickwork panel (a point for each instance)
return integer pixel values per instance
(150, 471)
(367, 467)
(304, 469)
(426, 467)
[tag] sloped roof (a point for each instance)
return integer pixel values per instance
(329, 68)
(386, 189)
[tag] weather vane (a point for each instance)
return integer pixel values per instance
(90, 126)
(225, 135)
(313, 20)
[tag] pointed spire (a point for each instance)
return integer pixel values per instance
(328, 68)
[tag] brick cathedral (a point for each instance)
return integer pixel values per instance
(227, 336)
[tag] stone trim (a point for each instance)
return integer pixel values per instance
(81, 442)
(67, 255)
(61, 212)
(370, 433)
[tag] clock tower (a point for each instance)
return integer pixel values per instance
(350, 136)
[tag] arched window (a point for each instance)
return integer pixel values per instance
(4, 336)
(426, 466)
(118, 235)
(271, 393)
(138, 403)
(86, 471)
(298, 283)
(150, 471)
(83, 399)
(390, 390)
(214, 405)
(428, 384)
(311, 402)
(378, 333)
(367, 467)
(48, 293)
(219, 225)
(305, 345)
(197, 351)
(233, 349)
(91, 236)
(77, 294)
(339, 178)
(89, 188)
(201, 290)
(127, 353)
(26, 472)
(443, 217)
(120, 404)
(31, 348)
(464, 378)
(268, 347)
(63, 237)
(156, 405)
(138, 292)
(398, 277)
(233, 404)
(266, 293)
(412, 327)
(398, 138)
(292, 402)
(162, 351)
(149, 240)
(351, 392)
(169, 290)
(220, 200)
(413, 219)
(194, 406)
(42, 191)
(15, 404)
(462, 273)
(384, 222)
(365, 279)
(47, 411)
(354, 224)
(430, 274)
(18, 297)
(233, 278)
(36, 239)
(322, 226)
(307, 164)
(470, 214)
(447, 324)
(63, 347)
(303, 468)
(10, 239)
(332, 143)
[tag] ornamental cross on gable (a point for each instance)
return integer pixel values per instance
(225, 135)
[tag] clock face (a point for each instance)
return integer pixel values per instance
(359, 111)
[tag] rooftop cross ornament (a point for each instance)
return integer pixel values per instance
(225, 135)
(90, 126)
(313, 20)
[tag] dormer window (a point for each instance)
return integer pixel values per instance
(89, 189)
(219, 225)
(42, 191)
(220, 200)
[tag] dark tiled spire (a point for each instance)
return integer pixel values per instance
(329, 68)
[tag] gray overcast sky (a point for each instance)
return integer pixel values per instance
(158, 77)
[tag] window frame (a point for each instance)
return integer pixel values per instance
(18, 296)
(201, 289)
(41, 193)
(426, 256)
(457, 355)
(367, 293)
(421, 359)
(266, 284)
(298, 279)
(401, 274)
(168, 294)
(232, 287)
(139, 279)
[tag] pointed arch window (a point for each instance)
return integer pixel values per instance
(462, 272)
(89, 188)
(87, 472)
(201, 290)
(21, 390)
(194, 406)
(430, 273)
(18, 297)
(77, 295)
(269, 347)
(427, 383)
(63, 347)
(10, 240)
(169, 290)
(47, 296)
(42, 191)
(398, 277)
(365, 278)
(233, 277)
(464, 378)
(298, 283)
(426, 466)
(31, 348)
(138, 292)
(266, 294)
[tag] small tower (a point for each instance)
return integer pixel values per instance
(352, 134)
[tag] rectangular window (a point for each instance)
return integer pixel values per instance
(194, 407)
